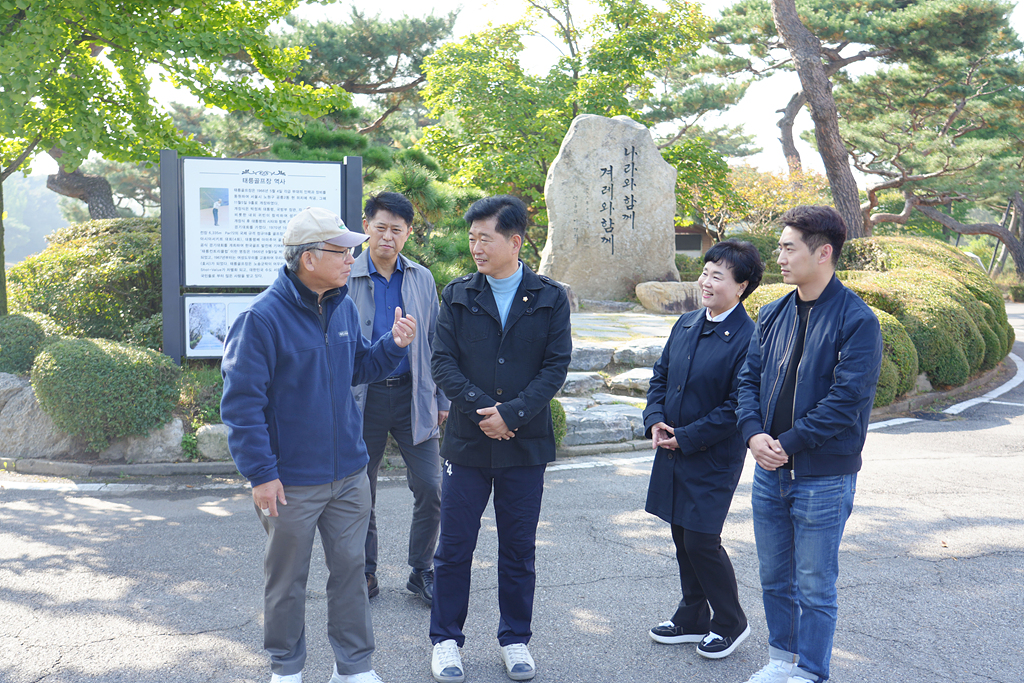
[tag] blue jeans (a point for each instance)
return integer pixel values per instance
(798, 524)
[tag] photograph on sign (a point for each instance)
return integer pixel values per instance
(214, 211)
(235, 212)
(207, 320)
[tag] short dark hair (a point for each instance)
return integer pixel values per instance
(742, 258)
(510, 212)
(392, 202)
(818, 225)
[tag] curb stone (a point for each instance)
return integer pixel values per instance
(85, 470)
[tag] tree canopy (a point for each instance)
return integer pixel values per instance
(73, 78)
(944, 133)
(501, 126)
(366, 55)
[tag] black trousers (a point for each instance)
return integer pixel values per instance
(709, 583)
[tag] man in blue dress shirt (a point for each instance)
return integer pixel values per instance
(407, 404)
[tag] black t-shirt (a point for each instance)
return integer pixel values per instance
(783, 419)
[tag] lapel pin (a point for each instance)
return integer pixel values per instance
(727, 333)
(526, 298)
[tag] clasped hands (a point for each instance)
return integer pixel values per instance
(767, 452)
(663, 436)
(493, 425)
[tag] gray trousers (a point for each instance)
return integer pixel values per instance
(341, 511)
(389, 409)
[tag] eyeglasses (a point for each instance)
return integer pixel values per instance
(335, 251)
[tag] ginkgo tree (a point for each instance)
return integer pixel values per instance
(75, 77)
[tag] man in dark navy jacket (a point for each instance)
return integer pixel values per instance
(501, 352)
(805, 398)
(295, 433)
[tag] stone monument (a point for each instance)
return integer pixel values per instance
(611, 203)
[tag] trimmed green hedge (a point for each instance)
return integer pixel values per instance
(558, 421)
(939, 313)
(899, 350)
(21, 338)
(95, 279)
(99, 390)
(951, 310)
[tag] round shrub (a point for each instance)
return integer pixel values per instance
(558, 421)
(95, 279)
(888, 379)
(898, 349)
(765, 294)
(943, 322)
(98, 390)
(21, 338)
(50, 329)
(919, 254)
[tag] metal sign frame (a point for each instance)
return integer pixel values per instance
(172, 230)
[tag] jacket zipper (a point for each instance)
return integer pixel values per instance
(796, 380)
(785, 355)
(330, 379)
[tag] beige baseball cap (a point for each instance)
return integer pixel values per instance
(314, 224)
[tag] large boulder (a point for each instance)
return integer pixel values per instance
(611, 204)
(212, 441)
(160, 445)
(25, 430)
(669, 297)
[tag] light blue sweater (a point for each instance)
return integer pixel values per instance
(505, 290)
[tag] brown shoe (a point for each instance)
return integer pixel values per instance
(371, 585)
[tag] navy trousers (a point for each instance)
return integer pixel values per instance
(464, 495)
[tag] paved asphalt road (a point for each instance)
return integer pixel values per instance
(165, 586)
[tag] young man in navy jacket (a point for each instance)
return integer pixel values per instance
(296, 434)
(805, 397)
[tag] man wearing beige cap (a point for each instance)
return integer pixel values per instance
(295, 433)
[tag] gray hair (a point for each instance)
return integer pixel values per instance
(293, 254)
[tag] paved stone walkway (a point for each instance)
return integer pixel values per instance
(613, 328)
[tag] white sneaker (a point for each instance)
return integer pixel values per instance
(776, 671)
(290, 678)
(518, 662)
(446, 663)
(364, 677)
(798, 679)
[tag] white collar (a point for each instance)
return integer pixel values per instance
(718, 318)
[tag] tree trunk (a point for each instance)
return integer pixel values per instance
(796, 103)
(94, 190)
(1013, 245)
(806, 52)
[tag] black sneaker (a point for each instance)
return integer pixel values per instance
(670, 634)
(372, 587)
(715, 646)
(421, 582)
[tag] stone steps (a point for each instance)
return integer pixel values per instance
(605, 390)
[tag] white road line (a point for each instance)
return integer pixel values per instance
(72, 487)
(604, 462)
(892, 423)
(1013, 383)
(1007, 403)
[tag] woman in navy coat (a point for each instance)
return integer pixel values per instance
(691, 419)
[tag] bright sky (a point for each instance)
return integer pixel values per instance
(757, 112)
